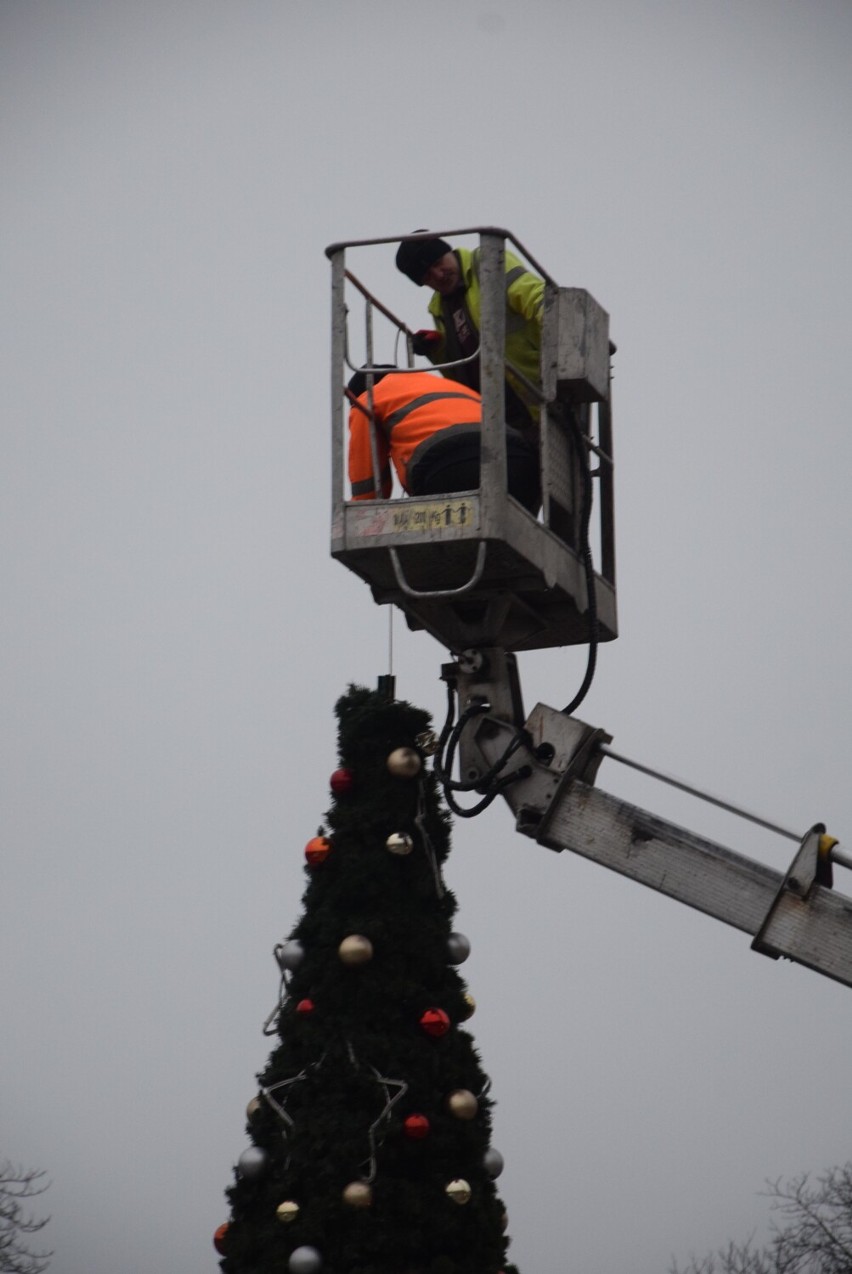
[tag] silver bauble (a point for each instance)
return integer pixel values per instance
(405, 763)
(252, 1163)
(492, 1162)
(289, 955)
(399, 843)
(305, 1260)
(458, 948)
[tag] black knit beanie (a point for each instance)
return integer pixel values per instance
(414, 256)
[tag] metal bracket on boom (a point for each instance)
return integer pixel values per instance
(554, 749)
(810, 867)
(548, 782)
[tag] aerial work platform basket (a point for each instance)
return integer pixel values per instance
(475, 568)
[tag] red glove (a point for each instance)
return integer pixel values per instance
(424, 341)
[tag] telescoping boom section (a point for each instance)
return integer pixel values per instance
(546, 769)
(476, 567)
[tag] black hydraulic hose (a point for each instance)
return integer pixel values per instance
(446, 755)
(448, 723)
(445, 763)
(496, 791)
(588, 566)
(489, 783)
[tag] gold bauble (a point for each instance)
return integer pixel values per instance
(404, 763)
(252, 1108)
(358, 1194)
(287, 1211)
(399, 843)
(459, 1191)
(462, 1104)
(356, 949)
(470, 1006)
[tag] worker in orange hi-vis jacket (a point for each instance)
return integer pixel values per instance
(429, 428)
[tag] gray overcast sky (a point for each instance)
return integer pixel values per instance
(174, 633)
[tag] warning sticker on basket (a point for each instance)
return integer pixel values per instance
(422, 516)
(402, 517)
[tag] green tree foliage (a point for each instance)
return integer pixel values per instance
(339, 1089)
(811, 1231)
(17, 1187)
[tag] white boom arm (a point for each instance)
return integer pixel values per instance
(549, 784)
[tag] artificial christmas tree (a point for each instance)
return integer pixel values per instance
(370, 1133)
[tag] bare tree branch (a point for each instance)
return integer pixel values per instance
(16, 1186)
(811, 1232)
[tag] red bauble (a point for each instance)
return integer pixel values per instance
(219, 1238)
(435, 1022)
(305, 1008)
(416, 1127)
(317, 850)
(342, 782)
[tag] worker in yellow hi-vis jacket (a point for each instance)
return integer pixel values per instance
(456, 307)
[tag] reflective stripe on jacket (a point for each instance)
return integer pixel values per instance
(409, 407)
(524, 307)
